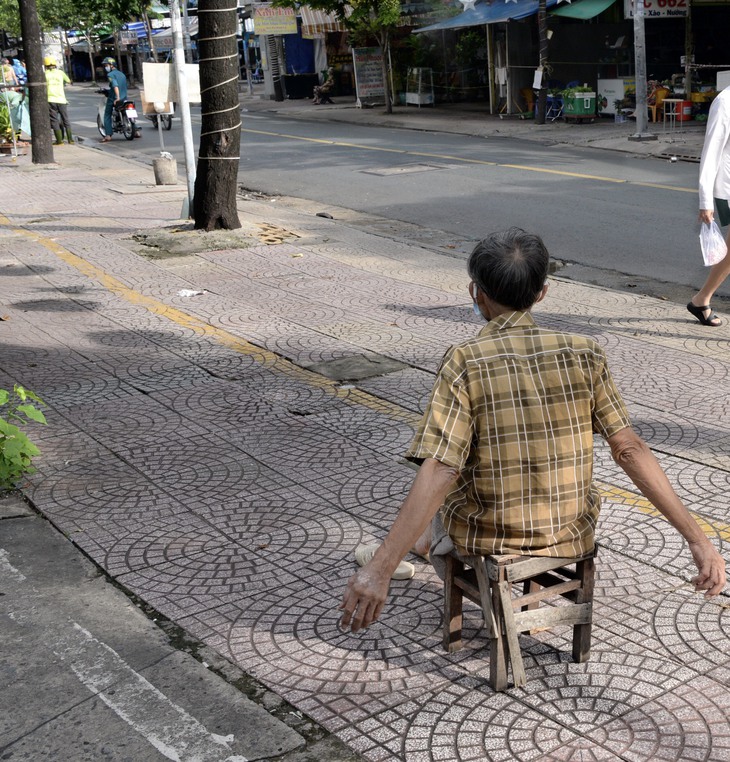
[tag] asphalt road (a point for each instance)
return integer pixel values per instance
(607, 212)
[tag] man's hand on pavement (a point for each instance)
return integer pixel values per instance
(711, 567)
(364, 598)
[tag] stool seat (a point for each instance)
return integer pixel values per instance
(488, 581)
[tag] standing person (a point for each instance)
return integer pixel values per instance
(117, 94)
(21, 73)
(506, 442)
(9, 77)
(714, 185)
(56, 80)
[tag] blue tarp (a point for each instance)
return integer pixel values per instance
(489, 13)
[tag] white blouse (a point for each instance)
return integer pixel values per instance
(715, 163)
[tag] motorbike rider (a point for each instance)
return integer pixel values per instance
(116, 96)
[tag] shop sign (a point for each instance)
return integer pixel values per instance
(656, 9)
(274, 21)
(368, 65)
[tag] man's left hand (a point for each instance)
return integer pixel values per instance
(364, 598)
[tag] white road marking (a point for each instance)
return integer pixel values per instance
(83, 123)
(165, 725)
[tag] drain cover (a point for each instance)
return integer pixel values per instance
(357, 367)
(404, 169)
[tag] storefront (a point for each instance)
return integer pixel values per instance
(591, 42)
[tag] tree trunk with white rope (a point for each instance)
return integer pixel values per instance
(216, 182)
(41, 148)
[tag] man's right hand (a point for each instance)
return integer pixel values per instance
(707, 215)
(711, 567)
(364, 597)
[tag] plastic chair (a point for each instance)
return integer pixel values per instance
(529, 96)
(554, 107)
(659, 95)
(489, 583)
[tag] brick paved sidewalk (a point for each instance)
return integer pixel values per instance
(198, 453)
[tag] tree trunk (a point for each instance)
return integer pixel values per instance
(543, 43)
(216, 182)
(385, 47)
(67, 56)
(40, 125)
(91, 57)
(150, 39)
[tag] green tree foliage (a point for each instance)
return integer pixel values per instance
(82, 15)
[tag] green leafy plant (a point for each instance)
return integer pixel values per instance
(16, 449)
(571, 92)
(6, 130)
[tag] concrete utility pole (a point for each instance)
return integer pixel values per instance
(642, 110)
(183, 103)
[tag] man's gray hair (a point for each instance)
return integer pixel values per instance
(510, 267)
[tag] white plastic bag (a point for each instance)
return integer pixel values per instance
(713, 244)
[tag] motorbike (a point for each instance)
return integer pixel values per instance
(165, 120)
(124, 117)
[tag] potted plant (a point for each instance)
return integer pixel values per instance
(619, 106)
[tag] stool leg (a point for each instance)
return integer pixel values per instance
(497, 652)
(453, 600)
(530, 586)
(510, 632)
(582, 632)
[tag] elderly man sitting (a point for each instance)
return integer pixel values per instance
(506, 442)
(322, 92)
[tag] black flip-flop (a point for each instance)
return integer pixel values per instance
(699, 313)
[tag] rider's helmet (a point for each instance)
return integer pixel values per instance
(109, 61)
(49, 61)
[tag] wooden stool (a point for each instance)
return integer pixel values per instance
(488, 582)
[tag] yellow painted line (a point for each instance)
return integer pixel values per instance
(281, 365)
(619, 495)
(526, 168)
(462, 160)
(667, 187)
(225, 338)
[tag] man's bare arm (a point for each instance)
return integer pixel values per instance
(367, 590)
(634, 456)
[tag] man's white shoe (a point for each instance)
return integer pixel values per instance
(363, 554)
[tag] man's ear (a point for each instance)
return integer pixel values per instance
(542, 294)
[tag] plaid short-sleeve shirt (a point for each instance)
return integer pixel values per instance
(515, 410)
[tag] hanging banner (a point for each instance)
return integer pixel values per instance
(274, 21)
(656, 9)
(160, 82)
(369, 85)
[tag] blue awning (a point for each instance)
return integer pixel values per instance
(488, 13)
